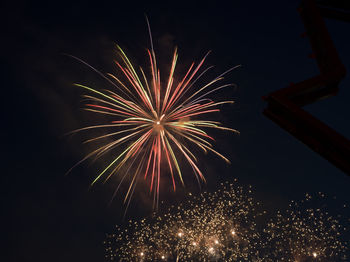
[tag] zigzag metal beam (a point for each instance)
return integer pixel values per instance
(284, 105)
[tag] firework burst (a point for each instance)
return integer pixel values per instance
(154, 121)
(218, 226)
(230, 225)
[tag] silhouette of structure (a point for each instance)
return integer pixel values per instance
(285, 105)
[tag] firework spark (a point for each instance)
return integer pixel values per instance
(307, 232)
(217, 226)
(229, 225)
(154, 121)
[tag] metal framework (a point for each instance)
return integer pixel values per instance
(285, 105)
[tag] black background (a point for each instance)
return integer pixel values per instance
(52, 217)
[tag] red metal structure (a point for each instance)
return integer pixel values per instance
(285, 105)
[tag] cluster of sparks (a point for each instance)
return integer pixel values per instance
(307, 232)
(223, 226)
(215, 226)
(154, 121)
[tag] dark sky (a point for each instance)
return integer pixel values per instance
(52, 217)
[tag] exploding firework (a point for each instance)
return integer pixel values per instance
(229, 225)
(218, 226)
(307, 232)
(154, 122)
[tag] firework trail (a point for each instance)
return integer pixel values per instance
(229, 225)
(154, 121)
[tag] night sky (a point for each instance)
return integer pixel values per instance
(53, 217)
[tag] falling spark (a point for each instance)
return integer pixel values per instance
(223, 226)
(307, 232)
(199, 230)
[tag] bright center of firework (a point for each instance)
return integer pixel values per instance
(158, 125)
